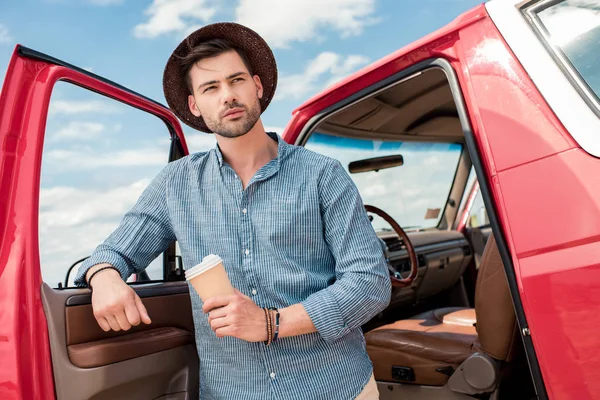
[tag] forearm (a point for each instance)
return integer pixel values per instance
(294, 321)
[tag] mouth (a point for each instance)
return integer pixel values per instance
(234, 113)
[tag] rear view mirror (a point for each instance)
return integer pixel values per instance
(375, 164)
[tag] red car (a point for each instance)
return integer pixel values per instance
(479, 146)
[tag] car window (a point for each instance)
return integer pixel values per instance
(572, 30)
(470, 182)
(415, 193)
(99, 155)
(477, 216)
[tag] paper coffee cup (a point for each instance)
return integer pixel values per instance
(209, 278)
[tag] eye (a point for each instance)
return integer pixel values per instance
(209, 88)
(237, 79)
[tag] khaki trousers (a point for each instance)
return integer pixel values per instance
(370, 391)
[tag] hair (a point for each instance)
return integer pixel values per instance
(207, 49)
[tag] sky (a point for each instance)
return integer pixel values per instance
(315, 42)
(99, 155)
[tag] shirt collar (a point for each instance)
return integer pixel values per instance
(281, 149)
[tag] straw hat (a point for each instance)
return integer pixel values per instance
(258, 52)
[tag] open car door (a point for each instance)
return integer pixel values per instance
(50, 343)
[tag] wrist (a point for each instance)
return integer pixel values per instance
(268, 326)
(93, 269)
(275, 322)
(271, 325)
(100, 273)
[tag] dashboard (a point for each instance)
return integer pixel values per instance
(443, 257)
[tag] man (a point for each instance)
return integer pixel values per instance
(288, 223)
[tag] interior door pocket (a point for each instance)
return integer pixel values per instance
(121, 348)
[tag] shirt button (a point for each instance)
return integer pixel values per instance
(244, 211)
(254, 292)
(247, 252)
(272, 375)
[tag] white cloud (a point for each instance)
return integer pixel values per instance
(79, 131)
(404, 192)
(4, 36)
(276, 129)
(61, 160)
(198, 142)
(281, 22)
(79, 107)
(73, 221)
(69, 206)
(105, 2)
(327, 68)
(174, 16)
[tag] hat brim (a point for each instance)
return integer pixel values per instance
(259, 55)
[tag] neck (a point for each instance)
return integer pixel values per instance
(248, 153)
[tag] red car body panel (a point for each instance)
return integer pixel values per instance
(545, 188)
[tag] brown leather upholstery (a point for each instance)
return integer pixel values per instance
(496, 321)
(165, 311)
(446, 337)
(424, 343)
(121, 348)
(464, 316)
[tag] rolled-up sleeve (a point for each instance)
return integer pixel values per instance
(143, 233)
(362, 288)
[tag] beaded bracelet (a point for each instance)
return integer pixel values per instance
(276, 334)
(89, 281)
(269, 326)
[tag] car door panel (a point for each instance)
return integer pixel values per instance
(52, 345)
(152, 361)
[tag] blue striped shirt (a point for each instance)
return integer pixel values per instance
(297, 234)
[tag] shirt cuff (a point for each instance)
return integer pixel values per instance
(324, 312)
(102, 257)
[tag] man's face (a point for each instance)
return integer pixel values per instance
(225, 94)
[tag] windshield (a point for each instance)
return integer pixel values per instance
(574, 27)
(415, 193)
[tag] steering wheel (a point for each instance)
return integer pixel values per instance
(397, 280)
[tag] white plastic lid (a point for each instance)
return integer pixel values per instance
(207, 263)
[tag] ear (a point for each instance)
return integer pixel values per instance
(259, 86)
(193, 107)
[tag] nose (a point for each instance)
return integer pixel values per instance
(228, 95)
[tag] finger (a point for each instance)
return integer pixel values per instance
(131, 312)
(219, 323)
(216, 302)
(112, 322)
(103, 324)
(224, 331)
(217, 313)
(142, 310)
(122, 320)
